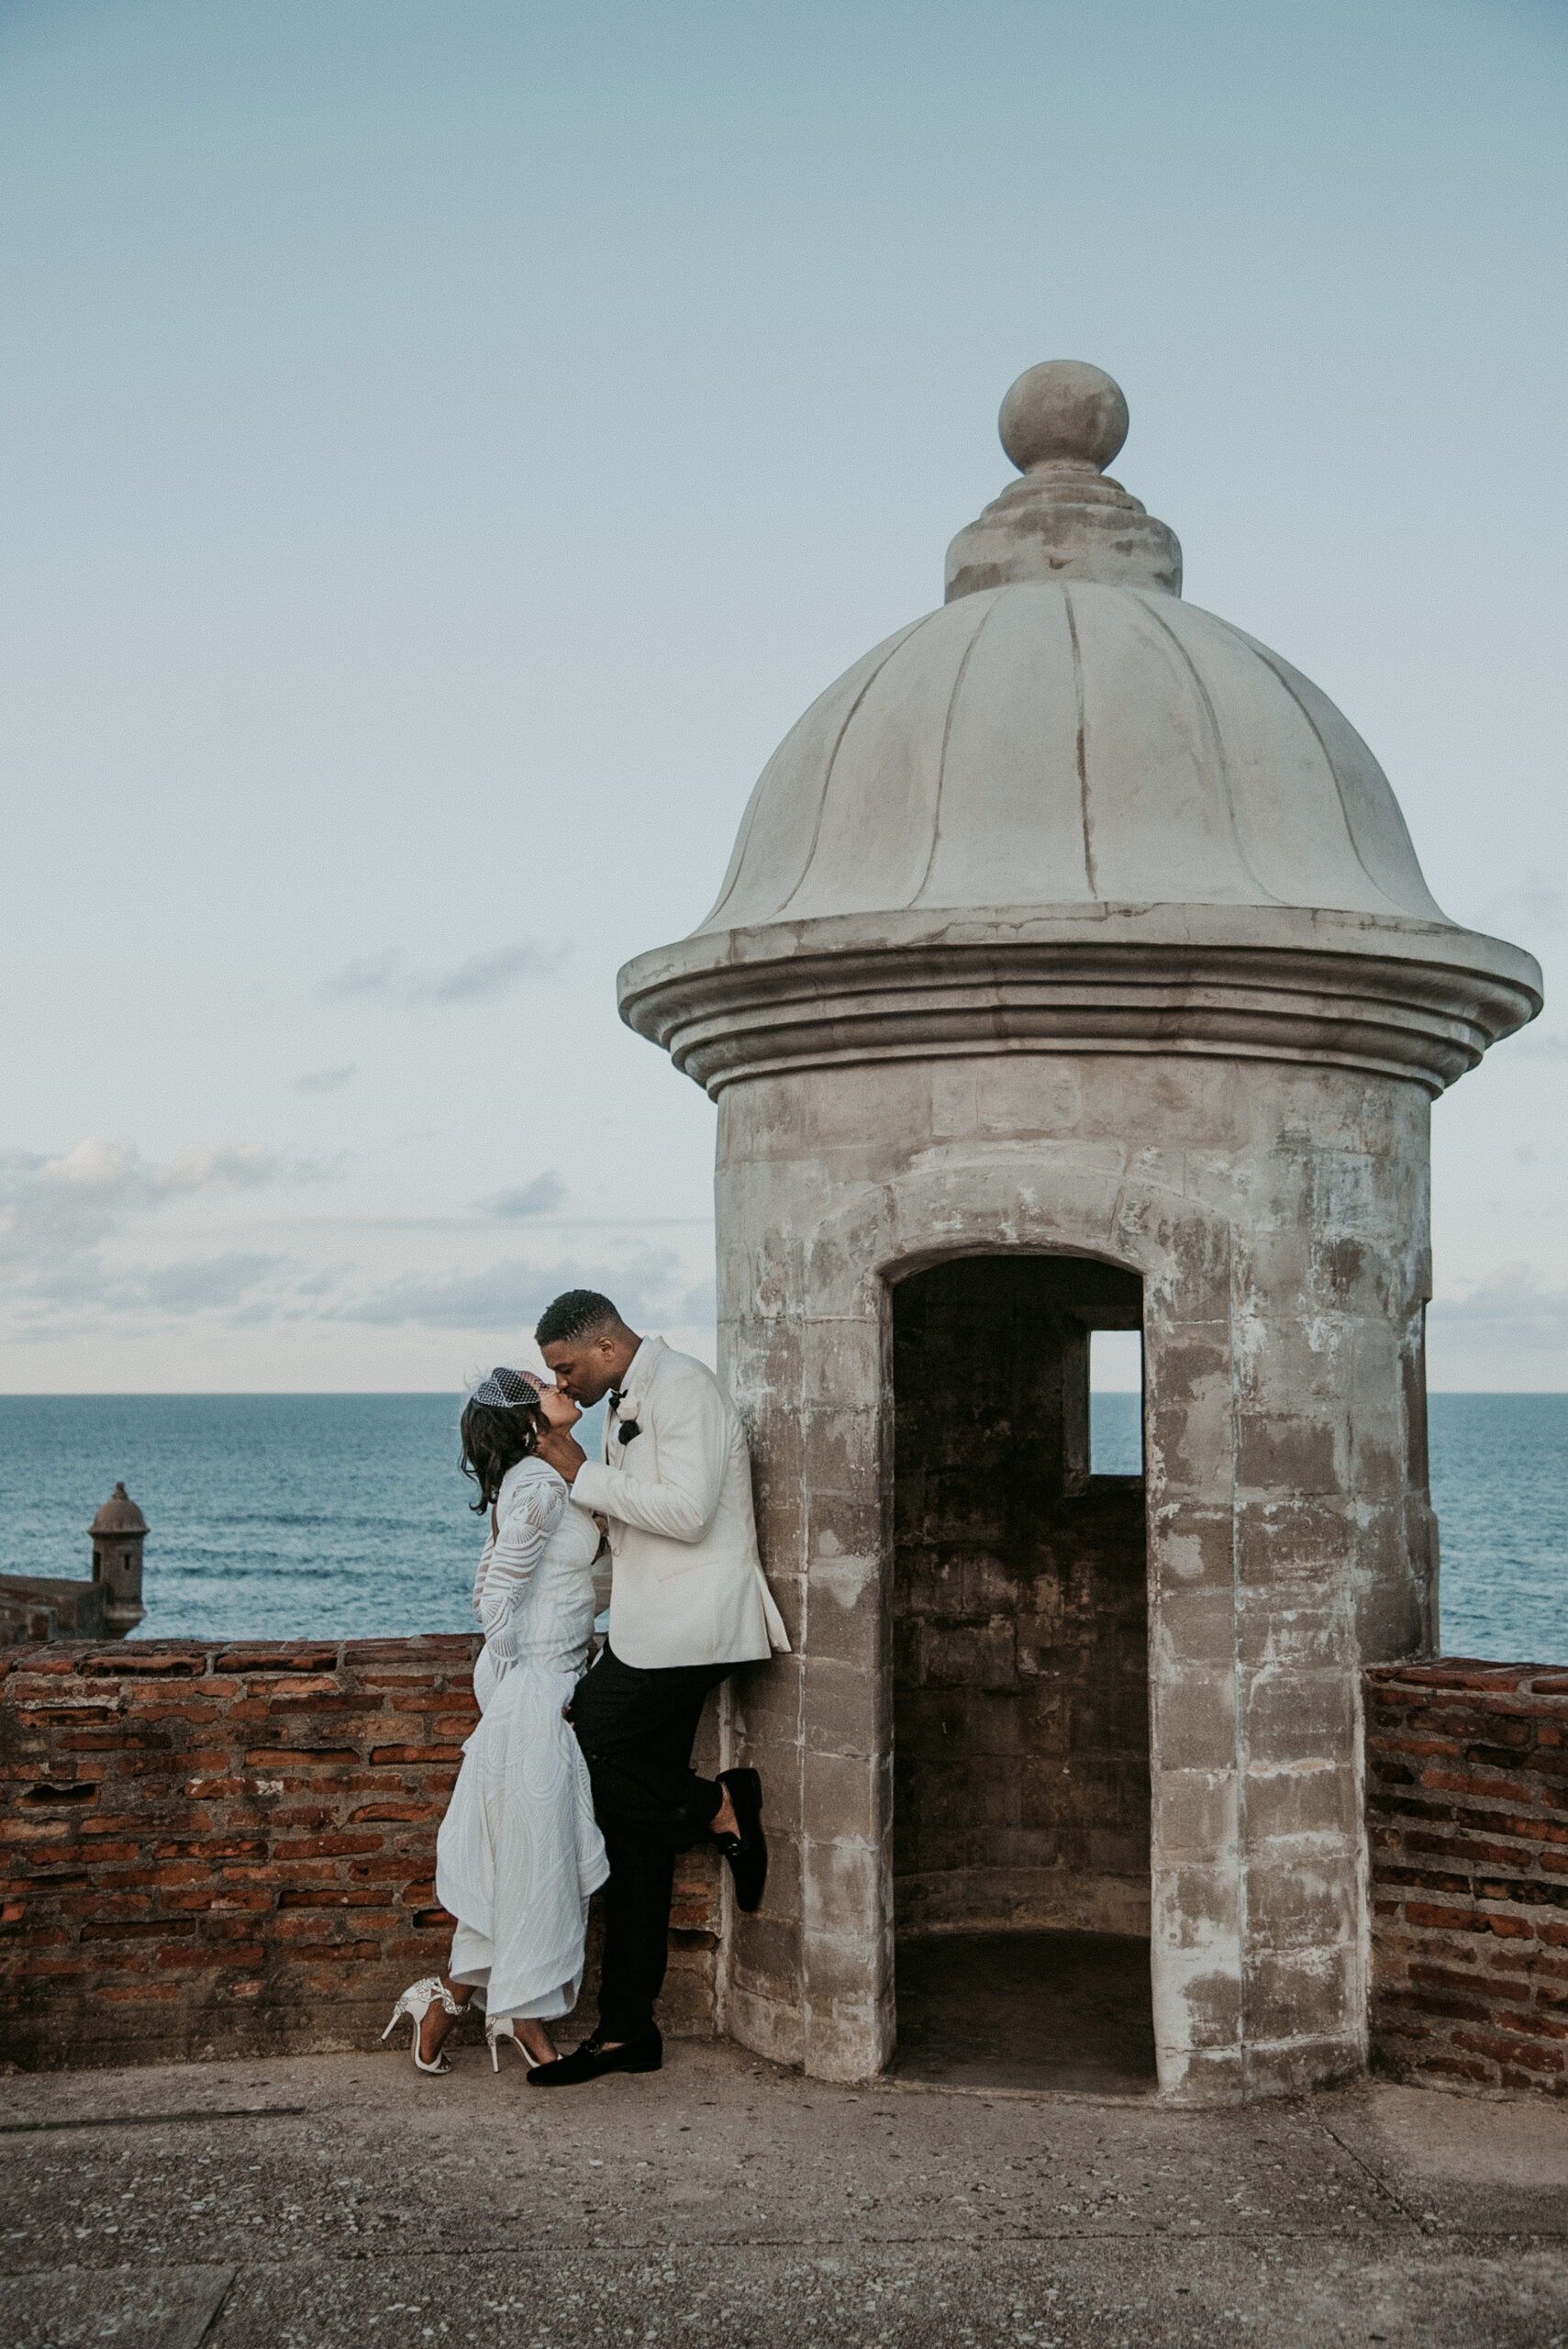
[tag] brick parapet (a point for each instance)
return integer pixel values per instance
(1467, 1823)
(219, 1849)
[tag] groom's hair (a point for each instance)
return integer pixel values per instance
(573, 1313)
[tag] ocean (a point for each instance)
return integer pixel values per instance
(323, 1516)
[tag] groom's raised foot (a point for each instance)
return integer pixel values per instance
(592, 2060)
(746, 1851)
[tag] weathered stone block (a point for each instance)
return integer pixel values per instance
(852, 2040)
(1291, 1540)
(955, 1099)
(1396, 1604)
(1195, 1718)
(765, 1955)
(772, 2028)
(766, 1705)
(1287, 1990)
(1296, 2066)
(1300, 1627)
(1192, 1414)
(844, 1799)
(845, 1603)
(760, 1120)
(842, 1455)
(1197, 1815)
(1293, 1453)
(1195, 2075)
(1188, 1254)
(1305, 1897)
(1192, 1547)
(1289, 1713)
(1302, 1797)
(1029, 1096)
(840, 1362)
(843, 1708)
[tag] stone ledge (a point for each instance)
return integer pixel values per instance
(1389, 997)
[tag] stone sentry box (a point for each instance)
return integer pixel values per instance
(1073, 924)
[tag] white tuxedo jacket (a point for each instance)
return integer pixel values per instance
(688, 1585)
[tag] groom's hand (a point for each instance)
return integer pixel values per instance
(562, 1451)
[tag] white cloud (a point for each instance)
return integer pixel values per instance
(79, 1256)
(84, 1293)
(197, 1285)
(383, 978)
(58, 1215)
(541, 1197)
(325, 1080)
(54, 1205)
(651, 1286)
(238, 1169)
(1511, 1306)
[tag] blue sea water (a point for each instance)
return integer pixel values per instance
(272, 1516)
(291, 1515)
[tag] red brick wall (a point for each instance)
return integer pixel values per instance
(210, 1850)
(1467, 1817)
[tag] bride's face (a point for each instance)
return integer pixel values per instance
(556, 1410)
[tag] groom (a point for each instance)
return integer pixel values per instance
(688, 1602)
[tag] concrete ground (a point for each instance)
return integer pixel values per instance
(338, 2202)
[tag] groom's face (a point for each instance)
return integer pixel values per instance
(584, 1367)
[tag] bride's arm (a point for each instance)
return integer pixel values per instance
(515, 1553)
(484, 1557)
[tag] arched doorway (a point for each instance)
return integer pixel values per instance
(1021, 1775)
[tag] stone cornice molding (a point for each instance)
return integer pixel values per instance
(1391, 997)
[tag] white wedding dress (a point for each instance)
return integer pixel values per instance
(518, 1853)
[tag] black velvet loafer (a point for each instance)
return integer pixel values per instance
(591, 2062)
(748, 1852)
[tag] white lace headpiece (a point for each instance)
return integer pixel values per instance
(508, 1390)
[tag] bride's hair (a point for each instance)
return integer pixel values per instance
(495, 1438)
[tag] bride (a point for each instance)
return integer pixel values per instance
(518, 1853)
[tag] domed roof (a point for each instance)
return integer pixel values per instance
(1068, 812)
(1066, 731)
(120, 1514)
(1056, 742)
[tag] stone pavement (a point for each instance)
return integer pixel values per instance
(343, 2202)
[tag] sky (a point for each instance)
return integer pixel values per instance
(444, 446)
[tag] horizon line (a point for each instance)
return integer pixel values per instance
(426, 1394)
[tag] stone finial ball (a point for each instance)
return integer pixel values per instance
(1063, 408)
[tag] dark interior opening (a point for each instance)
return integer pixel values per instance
(1021, 1786)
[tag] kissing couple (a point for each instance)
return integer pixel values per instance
(579, 1777)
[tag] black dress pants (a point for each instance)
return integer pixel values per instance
(635, 1730)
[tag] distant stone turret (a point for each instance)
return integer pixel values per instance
(118, 1531)
(34, 1608)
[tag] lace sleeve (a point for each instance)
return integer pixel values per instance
(484, 1557)
(528, 1525)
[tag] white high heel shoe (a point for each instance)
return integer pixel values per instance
(416, 2002)
(496, 2029)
